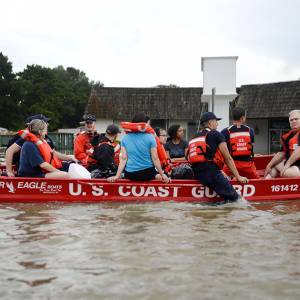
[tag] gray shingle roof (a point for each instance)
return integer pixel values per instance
(158, 103)
(271, 100)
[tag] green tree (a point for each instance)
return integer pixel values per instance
(9, 96)
(73, 96)
(59, 93)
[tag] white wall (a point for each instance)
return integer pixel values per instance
(221, 108)
(101, 124)
(219, 73)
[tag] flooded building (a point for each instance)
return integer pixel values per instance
(165, 106)
(267, 107)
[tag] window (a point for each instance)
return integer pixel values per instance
(161, 123)
(276, 129)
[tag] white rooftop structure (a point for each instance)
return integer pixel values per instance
(219, 85)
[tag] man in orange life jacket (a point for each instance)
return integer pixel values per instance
(37, 159)
(105, 151)
(240, 140)
(286, 163)
(201, 152)
(83, 149)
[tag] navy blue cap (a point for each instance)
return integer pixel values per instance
(37, 117)
(113, 129)
(90, 117)
(207, 116)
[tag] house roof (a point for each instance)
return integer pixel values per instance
(158, 103)
(271, 100)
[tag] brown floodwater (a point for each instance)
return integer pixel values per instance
(150, 251)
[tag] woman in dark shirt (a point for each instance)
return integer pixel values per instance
(176, 147)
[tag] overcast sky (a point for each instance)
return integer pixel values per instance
(136, 43)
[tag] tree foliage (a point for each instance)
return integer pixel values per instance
(60, 94)
(9, 94)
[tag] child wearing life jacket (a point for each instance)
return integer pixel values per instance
(240, 140)
(106, 153)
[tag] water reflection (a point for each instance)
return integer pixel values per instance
(150, 251)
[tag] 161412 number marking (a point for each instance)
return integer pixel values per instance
(284, 188)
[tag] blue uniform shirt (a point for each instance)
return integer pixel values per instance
(138, 147)
(225, 132)
(30, 161)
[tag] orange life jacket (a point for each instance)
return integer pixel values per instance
(240, 141)
(43, 147)
(290, 142)
(197, 150)
(83, 150)
(144, 127)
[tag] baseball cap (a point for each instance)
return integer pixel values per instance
(207, 116)
(113, 129)
(90, 117)
(37, 117)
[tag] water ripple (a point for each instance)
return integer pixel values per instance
(150, 251)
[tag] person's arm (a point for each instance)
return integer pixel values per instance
(168, 154)
(178, 159)
(186, 148)
(230, 163)
(186, 152)
(66, 157)
(225, 133)
(156, 162)
(9, 154)
(167, 149)
(121, 167)
(277, 158)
